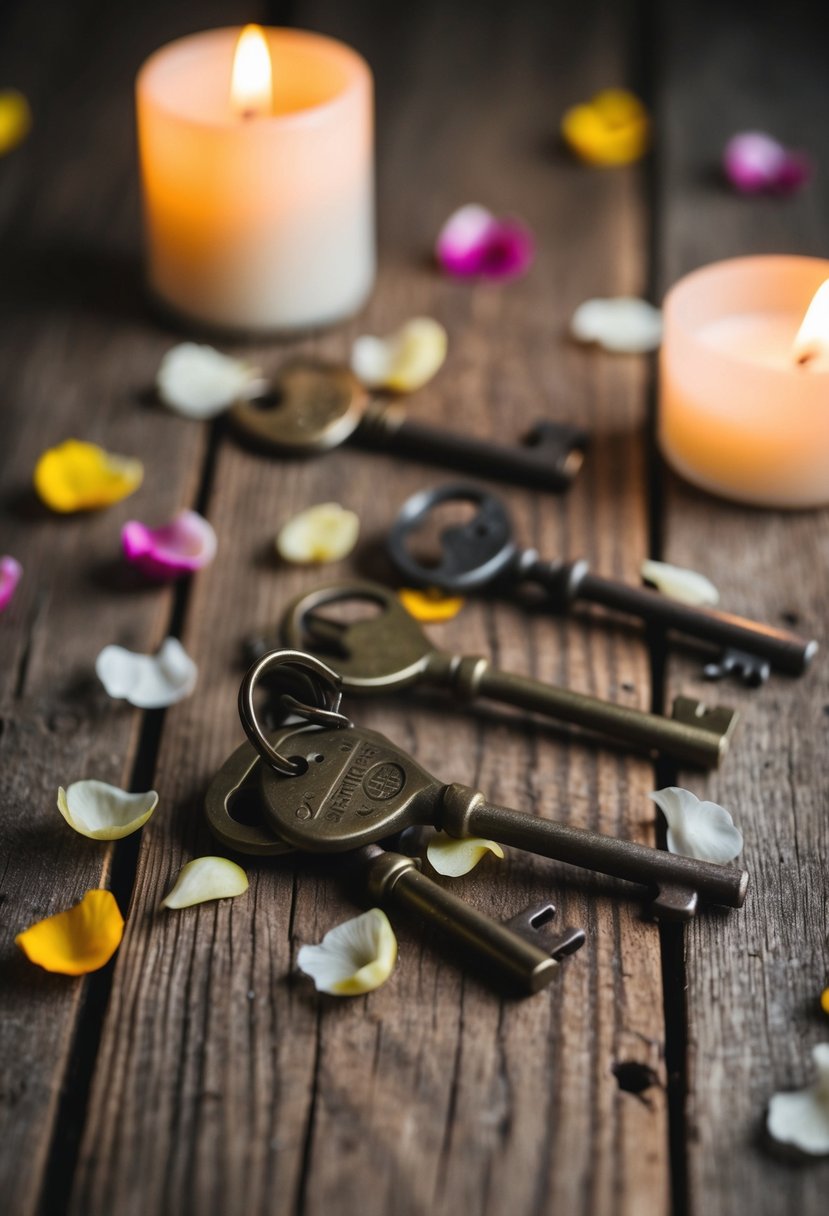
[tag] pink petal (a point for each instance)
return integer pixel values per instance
(755, 162)
(10, 574)
(474, 243)
(185, 544)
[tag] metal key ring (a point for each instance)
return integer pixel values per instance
(327, 715)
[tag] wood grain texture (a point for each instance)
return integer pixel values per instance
(223, 1084)
(754, 979)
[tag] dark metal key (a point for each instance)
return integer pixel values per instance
(524, 952)
(482, 551)
(312, 407)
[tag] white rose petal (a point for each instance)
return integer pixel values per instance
(623, 325)
(801, 1118)
(204, 879)
(147, 681)
(698, 829)
(200, 382)
(324, 533)
(356, 956)
(104, 812)
(679, 584)
(453, 858)
(405, 360)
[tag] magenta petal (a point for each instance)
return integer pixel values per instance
(185, 544)
(795, 171)
(509, 251)
(755, 162)
(473, 243)
(10, 574)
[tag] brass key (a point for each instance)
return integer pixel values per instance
(524, 953)
(313, 407)
(389, 651)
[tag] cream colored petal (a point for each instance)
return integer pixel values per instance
(452, 857)
(623, 325)
(802, 1118)
(687, 586)
(104, 812)
(200, 382)
(698, 829)
(147, 681)
(206, 878)
(323, 533)
(356, 956)
(404, 361)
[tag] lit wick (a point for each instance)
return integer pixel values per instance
(813, 336)
(251, 88)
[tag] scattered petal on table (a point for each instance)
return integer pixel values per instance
(78, 476)
(147, 681)
(204, 879)
(612, 129)
(200, 382)
(687, 586)
(324, 533)
(185, 544)
(103, 812)
(430, 605)
(405, 360)
(698, 829)
(452, 857)
(801, 1118)
(824, 1000)
(756, 163)
(79, 940)
(474, 243)
(624, 324)
(356, 956)
(15, 119)
(11, 572)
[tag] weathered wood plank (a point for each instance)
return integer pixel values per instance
(753, 979)
(223, 1085)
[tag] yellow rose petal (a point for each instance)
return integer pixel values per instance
(206, 878)
(430, 606)
(77, 476)
(324, 533)
(824, 1000)
(355, 957)
(104, 812)
(15, 119)
(612, 129)
(453, 857)
(404, 361)
(77, 941)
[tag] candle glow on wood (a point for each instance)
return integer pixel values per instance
(813, 336)
(251, 85)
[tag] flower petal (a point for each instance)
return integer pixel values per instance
(200, 382)
(404, 361)
(755, 162)
(78, 476)
(356, 956)
(475, 243)
(611, 129)
(453, 858)
(698, 829)
(206, 878)
(15, 119)
(801, 1118)
(324, 533)
(103, 812)
(624, 325)
(430, 605)
(185, 544)
(11, 572)
(147, 681)
(687, 586)
(77, 941)
(824, 1000)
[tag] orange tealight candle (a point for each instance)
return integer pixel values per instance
(256, 154)
(744, 380)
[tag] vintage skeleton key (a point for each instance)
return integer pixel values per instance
(312, 407)
(389, 651)
(525, 952)
(482, 551)
(337, 788)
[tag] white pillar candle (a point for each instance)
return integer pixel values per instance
(259, 210)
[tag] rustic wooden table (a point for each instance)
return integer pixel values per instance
(197, 1073)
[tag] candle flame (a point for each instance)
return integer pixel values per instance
(251, 86)
(813, 336)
